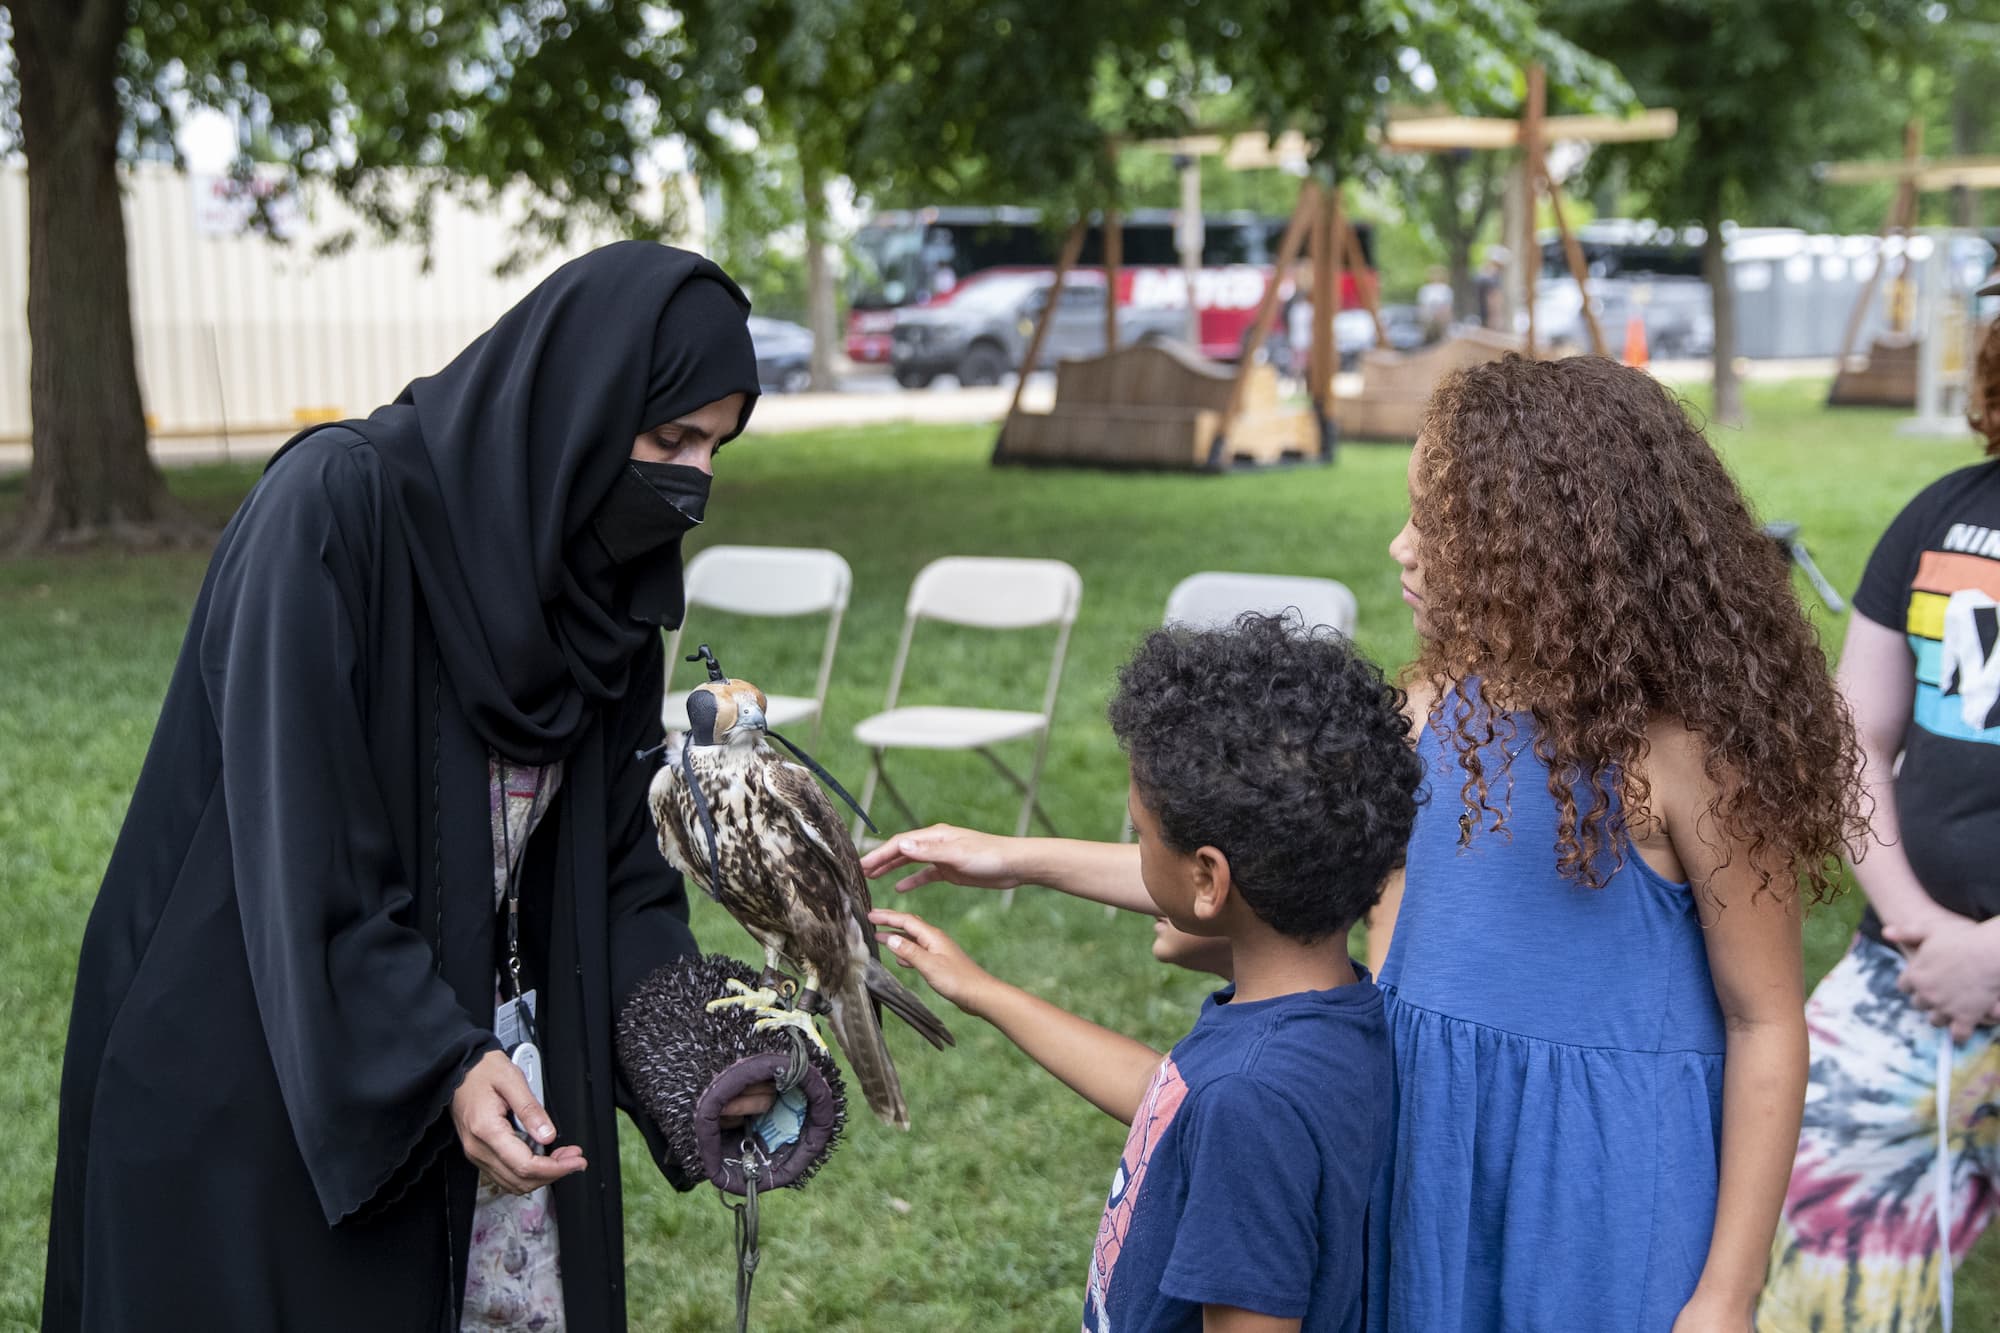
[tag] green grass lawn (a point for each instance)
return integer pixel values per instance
(983, 1215)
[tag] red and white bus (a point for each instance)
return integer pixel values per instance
(919, 257)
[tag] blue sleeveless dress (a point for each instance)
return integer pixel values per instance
(1558, 1057)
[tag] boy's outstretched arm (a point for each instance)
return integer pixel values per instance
(1102, 872)
(1108, 1069)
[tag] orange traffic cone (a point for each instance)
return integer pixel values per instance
(1635, 341)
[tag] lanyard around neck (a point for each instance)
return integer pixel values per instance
(513, 873)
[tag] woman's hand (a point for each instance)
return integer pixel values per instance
(492, 1089)
(1954, 969)
(935, 955)
(752, 1101)
(953, 855)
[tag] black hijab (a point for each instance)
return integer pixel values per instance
(497, 462)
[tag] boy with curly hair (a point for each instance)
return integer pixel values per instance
(1273, 787)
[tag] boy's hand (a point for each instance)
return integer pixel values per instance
(1111, 1071)
(953, 855)
(935, 955)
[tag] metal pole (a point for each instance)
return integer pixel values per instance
(221, 399)
(1933, 302)
(1188, 239)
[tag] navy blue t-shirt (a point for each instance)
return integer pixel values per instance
(1246, 1177)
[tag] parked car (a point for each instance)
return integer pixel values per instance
(982, 332)
(1675, 310)
(784, 354)
(1404, 325)
(1353, 333)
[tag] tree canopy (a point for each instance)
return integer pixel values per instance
(567, 102)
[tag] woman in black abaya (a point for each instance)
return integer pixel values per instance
(424, 655)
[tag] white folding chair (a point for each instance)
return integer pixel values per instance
(766, 581)
(1213, 600)
(984, 593)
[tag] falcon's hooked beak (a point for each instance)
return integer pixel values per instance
(724, 709)
(741, 710)
(749, 717)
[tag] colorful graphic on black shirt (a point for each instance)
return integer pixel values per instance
(1954, 627)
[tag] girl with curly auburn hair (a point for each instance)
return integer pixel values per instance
(1639, 770)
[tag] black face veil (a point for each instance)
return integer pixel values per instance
(497, 463)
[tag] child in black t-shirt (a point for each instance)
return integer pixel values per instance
(1273, 788)
(1904, 1023)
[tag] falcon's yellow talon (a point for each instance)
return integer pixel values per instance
(772, 1010)
(770, 1020)
(756, 999)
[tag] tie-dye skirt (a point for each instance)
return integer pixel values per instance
(1857, 1248)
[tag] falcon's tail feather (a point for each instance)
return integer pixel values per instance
(882, 984)
(859, 1033)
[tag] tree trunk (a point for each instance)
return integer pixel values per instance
(1450, 223)
(1459, 216)
(1728, 407)
(1464, 289)
(89, 475)
(1517, 212)
(820, 312)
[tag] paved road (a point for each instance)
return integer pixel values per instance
(867, 399)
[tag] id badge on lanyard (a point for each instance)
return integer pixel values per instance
(514, 1025)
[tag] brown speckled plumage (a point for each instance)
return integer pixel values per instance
(792, 878)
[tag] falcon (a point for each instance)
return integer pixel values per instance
(754, 830)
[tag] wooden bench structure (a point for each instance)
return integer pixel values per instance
(1885, 377)
(1887, 374)
(1396, 386)
(1159, 404)
(1163, 406)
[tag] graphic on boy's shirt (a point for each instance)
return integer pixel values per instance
(1156, 1112)
(1954, 630)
